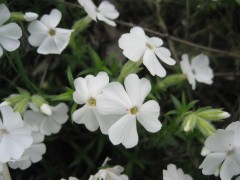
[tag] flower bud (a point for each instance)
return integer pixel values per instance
(205, 127)
(46, 109)
(189, 122)
(213, 114)
(30, 16)
(38, 100)
(171, 80)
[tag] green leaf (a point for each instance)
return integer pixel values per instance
(70, 77)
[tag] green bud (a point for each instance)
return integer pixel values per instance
(22, 105)
(38, 100)
(213, 114)
(189, 122)
(205, 127)
(128, 68)
(170, 80)
(17, 16)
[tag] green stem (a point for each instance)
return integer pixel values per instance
(6, 173)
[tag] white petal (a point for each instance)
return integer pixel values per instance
(11, 120)
(4, 14)
(30, 16)
(33, 119)
(164, 54)
(114, 100)
(155, 41)
(108, 10)
(106, 20)
(37, 137)
(22, 164)
(1, 51)
(137, 89)
(81, 94)
(36, 151)
(9, 35)
(148, 116)
(53, 19)
(89, 7)
(172, 173)
(124, 131)
(235, 126)
(153, 65)
(186, 69)
(49, 126)
(221, 141)
(230, 167)
(105, 121)
(211, 163)
(96, 84)
(86, 116)
(60, 113)
(38, 31)
(133, 44)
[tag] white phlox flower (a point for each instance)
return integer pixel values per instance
(32, 155)
(30, 16)
(224, 147)
(104, 12)
(88, 91)
(49, 121)
(109, 173)
(137, 46)
(15, 137)
(9, 33)
(199, 69)
(45, 35)
(172, 173)
(129, 104)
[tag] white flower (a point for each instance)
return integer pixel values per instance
(88, 91)
(199, 69)
(9, 33)
(136, 46)
(109, 173)
(32, 155)
(105, 12)
(15, 138)
(224, 149)
(70, 178)
(46, 36)
(172, 173)
(30, 16)
(129, 104)
(47, 124)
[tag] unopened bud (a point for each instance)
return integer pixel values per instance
(30, 16)
(189, 122)
(46, 109)
(205, 127)
(213, 114)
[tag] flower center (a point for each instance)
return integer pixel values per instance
(52, 32)
(4, 132)
(193, 71)
(149, 46)
(134, 110)
(92, 102)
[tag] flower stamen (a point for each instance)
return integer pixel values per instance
(52, 32)
(92, 102)
(149, 46)
(4, 132)
(134, 110)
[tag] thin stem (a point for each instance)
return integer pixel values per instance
(164, 35)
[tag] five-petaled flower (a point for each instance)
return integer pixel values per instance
(105, 12)
(199, 69)
(129, 104)
(137, 45)
(224, 152)
(15, 137)
(88, 91)
(46, 36)
(9, 33)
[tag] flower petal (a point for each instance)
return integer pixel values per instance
(235, 126)
(89, 7)
(1, 51)
(11, 120)
(106, 20)
(86, 116)
(114, 100)
(33, 119)
(53, 19)
(211, 163)
(155, 41)
(148, 116)
(81, 94)
(230, 167)
(137, 89)
(108, 10)
(60, 113)
(152, 64)
(124, 131)
(4, 14)
(133, 44)
(164, 54)
(49, 126)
